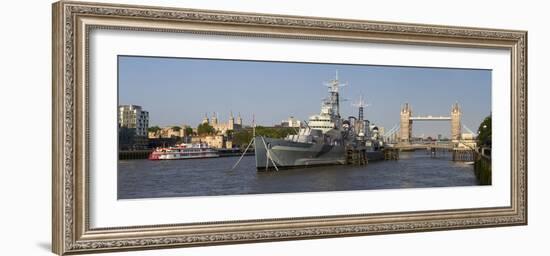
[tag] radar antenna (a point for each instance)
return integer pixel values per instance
(361, 104)
(334, 99)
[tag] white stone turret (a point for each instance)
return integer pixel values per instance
(456, 127)
(231, 118)
(239, 119)
(405, 128)
(205, 120)
(214, 118)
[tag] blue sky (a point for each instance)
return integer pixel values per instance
(179, 91)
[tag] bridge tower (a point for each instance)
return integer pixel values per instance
(405, 128)
(455, 122)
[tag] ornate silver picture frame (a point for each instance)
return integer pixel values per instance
(74, 21)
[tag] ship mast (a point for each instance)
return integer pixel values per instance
(361, 104)
(334, 99)
(360, 126)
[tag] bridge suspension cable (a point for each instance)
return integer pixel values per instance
(389, 134)
(391, 131)
(468, 129)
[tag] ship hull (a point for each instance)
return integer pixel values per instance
(285, 154)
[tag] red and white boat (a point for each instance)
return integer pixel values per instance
(184, 151)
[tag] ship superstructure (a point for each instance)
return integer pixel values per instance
(322, 140)
(325, 127)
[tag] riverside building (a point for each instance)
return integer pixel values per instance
(133, 117)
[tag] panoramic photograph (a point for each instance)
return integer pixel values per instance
(213, 127)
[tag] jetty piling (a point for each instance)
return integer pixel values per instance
(391, 154)
(134, 154)
(464, 155)
(356, 156)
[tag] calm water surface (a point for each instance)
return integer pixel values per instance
(208, 177)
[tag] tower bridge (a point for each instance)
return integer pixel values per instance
(406, 122)
(461, 148)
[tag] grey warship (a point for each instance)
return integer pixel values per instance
(321, 141)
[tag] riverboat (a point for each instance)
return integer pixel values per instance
(184, 151)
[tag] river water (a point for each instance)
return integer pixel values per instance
(209, 177)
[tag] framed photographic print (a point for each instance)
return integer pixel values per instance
(180, 127)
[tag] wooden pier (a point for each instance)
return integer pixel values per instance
(361, 156)
(356, 156)
(464, 155)
(391, 154)
(435, 152)
(458, 154)
(134, 154)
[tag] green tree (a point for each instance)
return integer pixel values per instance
(205, 129)
(484, 132)
(154, 129)
(274, 132)
(241, 138)
(177, 137)
(229, 133)
(188, 131)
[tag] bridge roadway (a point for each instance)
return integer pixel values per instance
(430, 118)
(426, 146)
